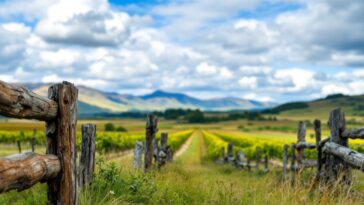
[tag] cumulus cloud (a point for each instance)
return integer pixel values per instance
(311, 51)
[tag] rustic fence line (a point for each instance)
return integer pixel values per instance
(335, 159)
(239, 160)
(58, 166)
(154, 148)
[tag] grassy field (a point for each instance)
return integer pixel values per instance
(193, 177)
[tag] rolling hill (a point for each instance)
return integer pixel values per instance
(352, 105)
(93, 101)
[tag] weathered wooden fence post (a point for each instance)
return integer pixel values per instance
(163, 152)
(317, 127)
(266, 169)
(239, 159)
(155, 150)
(61, 141)
(249, 165)
(223, 156)
(151, 130)
(338, 167)
(138, 151)
(257, 157)
(285, 159)
(230, 153)
(87, 159)
(301, 134)
(293, 158)
(19, 146)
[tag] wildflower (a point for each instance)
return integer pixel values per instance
(111, 192)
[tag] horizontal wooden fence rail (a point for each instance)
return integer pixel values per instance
(18, 102)
(22, 171)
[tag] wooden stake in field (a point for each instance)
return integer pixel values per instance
(285, 159)
(87, 159)
(293, 158)
(230, 153)
(317, 127)
(266, 169)
(61, 141)
(301, 134)
(151, 130)
(337, 166)
(138, 151)
(223, 156)
(257, 155)
(19, 146)
(32, 141)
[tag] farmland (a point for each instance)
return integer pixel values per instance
(117, 183)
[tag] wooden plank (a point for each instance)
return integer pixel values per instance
(305, 145)
(22, 171)
(61, 141)
(18, 102)
(151, 130)
(357, 133)
(87, 158)
(351, 157)
(337, 167)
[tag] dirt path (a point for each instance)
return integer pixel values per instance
(184, 147)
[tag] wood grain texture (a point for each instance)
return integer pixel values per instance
(285, 160)
(151, 130)
(61, 141)
(18, 102)
(22, 171)
(87, 158)
(301, 135)
(351, 157)
(317, 127)
(357, 133)
(337, 168)
(138, 151)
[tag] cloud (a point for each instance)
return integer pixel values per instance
(85, 23)
(204, 47)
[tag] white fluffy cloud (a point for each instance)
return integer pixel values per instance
(313, 50)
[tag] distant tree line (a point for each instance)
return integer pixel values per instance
(198, 116)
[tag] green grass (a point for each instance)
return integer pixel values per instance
(194, 178)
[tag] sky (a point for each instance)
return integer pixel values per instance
(266, 50)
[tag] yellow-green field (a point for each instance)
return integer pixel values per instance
(193, 177)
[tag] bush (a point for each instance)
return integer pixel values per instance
(121, 129)
(109, 127)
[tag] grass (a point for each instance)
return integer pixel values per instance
(193, 178)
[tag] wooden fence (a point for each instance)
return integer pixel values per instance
(239, 160)
(58, 166)
(156, 149)
(334, 157)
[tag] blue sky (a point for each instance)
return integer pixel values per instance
(267, 50)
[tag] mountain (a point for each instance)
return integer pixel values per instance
(93, 101)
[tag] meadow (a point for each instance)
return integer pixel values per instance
(193, 177)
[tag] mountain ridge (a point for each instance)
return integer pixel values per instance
(94, 100)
